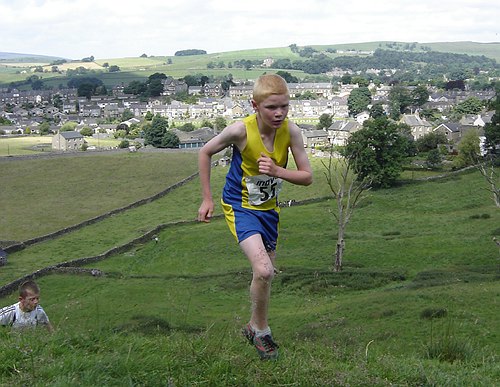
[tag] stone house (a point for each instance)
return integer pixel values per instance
(320, 89)
(339, 107)
(419, 127)
(340, 131)
(241, 91)
(195, 139)
(66, 141)
(450, 129)
(314, 138)
(173, 86)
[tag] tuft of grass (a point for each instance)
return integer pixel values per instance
(430, 313)
(480, 216)
(448, 346)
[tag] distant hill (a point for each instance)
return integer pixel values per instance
(490, 50)
(15, 66)
(26, 58)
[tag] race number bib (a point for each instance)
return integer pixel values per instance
(262, 188)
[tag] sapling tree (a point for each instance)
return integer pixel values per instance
(490, 173)
(348, 190)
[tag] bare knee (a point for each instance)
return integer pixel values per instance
(264, 272)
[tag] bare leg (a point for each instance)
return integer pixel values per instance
(272, 256)
(263, 272)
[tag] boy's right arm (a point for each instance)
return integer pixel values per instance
(7, 315)
(233, 134)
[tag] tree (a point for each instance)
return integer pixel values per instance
(153, 134)
(170, 140)
(206, 124)
(434, 159)
(455, 85)
(430, 141)
(127, 115)
(378, 151)
(325, 121)
(135, 87)
(377, 110)
(44, 128)
(346, 79)
(155, 87)
(490, 173)
(85, 90)
(86, 131)
(348, 190)
(399, 99)
(492, 128)
(187, 127)
(471, 105)
(358, 100)
(124, 144)
(360, 81)
(57, 101)
(220, 123)
(289, 78)
(114, 68)
(420, 95)
(469, 150)
(37, 85)
(68, 126)
(307, 95)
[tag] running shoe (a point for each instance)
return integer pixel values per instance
(266, 347)
(249, 333)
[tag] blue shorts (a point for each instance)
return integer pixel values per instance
(244, 223)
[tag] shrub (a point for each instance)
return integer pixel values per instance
(123, 144)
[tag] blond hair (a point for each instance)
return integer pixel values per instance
(267, 85)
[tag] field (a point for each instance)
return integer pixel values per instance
(416, 303)
(140, 68)
(73, 179)
(33, 145)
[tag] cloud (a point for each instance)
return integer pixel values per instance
(121, 28)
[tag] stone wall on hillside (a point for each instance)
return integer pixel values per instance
(29, 242)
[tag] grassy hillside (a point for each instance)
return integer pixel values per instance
(169, 313)
(48, 194)
(140, 68)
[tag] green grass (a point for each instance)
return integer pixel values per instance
(32, 145)
(58, 192)
(141, 68)
(169, 313)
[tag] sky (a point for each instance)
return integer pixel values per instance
(76, 29)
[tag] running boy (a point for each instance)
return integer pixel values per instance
(27, 312)
(260, 145)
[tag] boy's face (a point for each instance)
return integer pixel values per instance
(29, 302)
(273, 110)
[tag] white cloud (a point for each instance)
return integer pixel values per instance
(119, 28)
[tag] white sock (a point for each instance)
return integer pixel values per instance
(264, 332)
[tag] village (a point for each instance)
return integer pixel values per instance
(27, 110)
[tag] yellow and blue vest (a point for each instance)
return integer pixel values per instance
(245, 186)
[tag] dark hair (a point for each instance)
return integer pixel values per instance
(26, 286)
